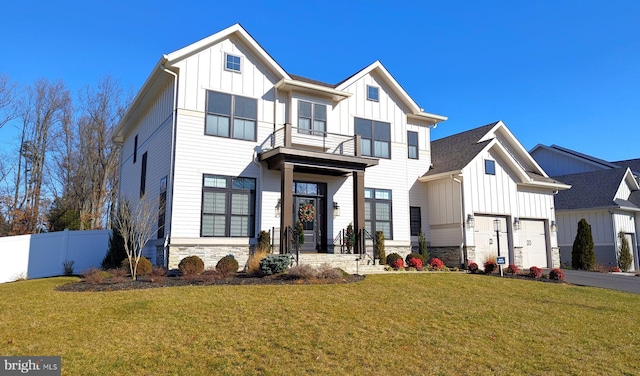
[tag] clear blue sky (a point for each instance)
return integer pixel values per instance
(556, 72)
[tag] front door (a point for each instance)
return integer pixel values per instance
(307, 217)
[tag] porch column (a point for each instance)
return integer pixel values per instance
(358, 204)
(286, 202)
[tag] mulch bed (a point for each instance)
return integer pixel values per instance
(118, 284)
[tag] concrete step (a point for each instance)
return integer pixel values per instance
(346, 262)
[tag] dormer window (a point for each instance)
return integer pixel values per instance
(373, 93)
(232, 63)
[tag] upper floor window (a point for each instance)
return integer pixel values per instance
(232, 62)
(228, 206)
(231, 116)
(312, 118)
(412, 144)
(375, 137)
(489, 167)
(373, 93)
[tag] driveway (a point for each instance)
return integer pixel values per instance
(620, 282)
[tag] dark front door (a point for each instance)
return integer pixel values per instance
(308, 215)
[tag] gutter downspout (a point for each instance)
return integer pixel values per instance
(174, 122)
(463, 257)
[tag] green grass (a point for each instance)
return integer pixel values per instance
(402, 323)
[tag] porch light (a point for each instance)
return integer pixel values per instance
(278, 205)
(471, 222)
(554, 227)
(516, 223)
(496, 226)
(336, 209)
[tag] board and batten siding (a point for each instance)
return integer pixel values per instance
(624, 191)
(490, 194)
(444, 213)
(600, 221)
(556, 163)
(206, 71)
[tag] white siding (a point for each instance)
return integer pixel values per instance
(494, 194)
(624, 191)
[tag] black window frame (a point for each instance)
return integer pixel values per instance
(135, 149)
(229, 190)
(411, 145)
(489, 167)
(231, 115)
(373, 131)
(143, 175)
(415, 220)
(373, 202)
(312, 119)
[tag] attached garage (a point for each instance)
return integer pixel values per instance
(533, 238)
(485, 240)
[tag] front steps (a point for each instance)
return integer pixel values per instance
(346, 262)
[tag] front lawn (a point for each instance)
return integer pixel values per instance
(397, 323)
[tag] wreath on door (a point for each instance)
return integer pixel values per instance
(306, 213)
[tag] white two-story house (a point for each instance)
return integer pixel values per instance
(233, 144)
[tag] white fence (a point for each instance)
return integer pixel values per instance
(43, 255)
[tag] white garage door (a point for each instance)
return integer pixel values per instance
(485, 239)
(533, 239)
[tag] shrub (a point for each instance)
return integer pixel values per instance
(625, 260)
(67, 267)
(398, 263)
(422, 247)
(191, 265)
(304, 271)
(144, 266)
(275, 264)
(413, 255)
(253, 264)
(118, 275)
(327, 272)
(512, 269)
(380, 252)
(391, 258)
(116, 252)
(264, 241)
(436, 263)
(158, 271)
(227, 266)
(490, 266)
(556, 274)
(582, 254)
(535, 272)
(473, 267)
(349, 238)
(95, 276)
(415, 263)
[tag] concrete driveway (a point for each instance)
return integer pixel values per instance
(621, 282)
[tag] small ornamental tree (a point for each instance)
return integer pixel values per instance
(582, 254)
(349, 238)
(422, 247)
(625, 260)
(379, 247)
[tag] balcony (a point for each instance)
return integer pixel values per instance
(315, 151)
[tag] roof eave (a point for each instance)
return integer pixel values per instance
(431, 118)
(427, 178)
(295, 85)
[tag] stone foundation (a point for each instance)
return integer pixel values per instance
(450, 256)
(210, 255)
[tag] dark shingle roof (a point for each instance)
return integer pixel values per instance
(456, 151)
(633, 164)
(311, 81)
(593, 189)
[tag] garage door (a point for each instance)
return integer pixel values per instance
(533, 239)
(486, 241)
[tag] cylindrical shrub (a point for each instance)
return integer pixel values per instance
(227, 265)
(556, 274)
(275, 264)
(392, 257)
(191, 265)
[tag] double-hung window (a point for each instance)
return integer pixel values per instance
(312, 118)
(228, 206)
(377, 212)
(375, 137)
(412, 144)
(231, 116)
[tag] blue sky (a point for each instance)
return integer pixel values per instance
(556, 72)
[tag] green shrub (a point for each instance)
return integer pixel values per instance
(349, 238)
(275, 264)
(264, 242)
(379, 247)
(422, 247)
(392, 258)
(115, 253)
(625, 260)
(227, 266)
(413, 255)
(144, 266)
(191, 265)
(582, 254)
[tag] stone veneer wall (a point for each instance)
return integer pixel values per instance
(450, 256)
(210, 255)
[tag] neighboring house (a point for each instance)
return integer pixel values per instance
(605, 194)
(482, 180)
(228, 144)
(234, 144)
